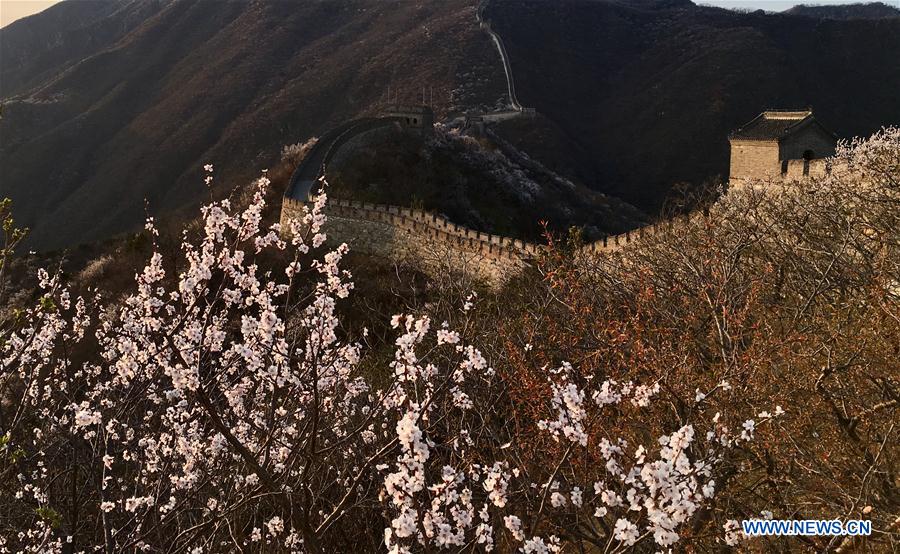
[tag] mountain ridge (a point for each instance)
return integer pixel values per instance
(124, 103)
(871, 10)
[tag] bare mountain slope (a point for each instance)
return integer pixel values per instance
(125, 101)
(38, 48)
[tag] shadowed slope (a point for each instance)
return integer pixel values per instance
(224, 82)
(649, 91)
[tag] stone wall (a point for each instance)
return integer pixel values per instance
(804, 169)
(615, 242)
(433, 243)
(421, 238)
(754, 160)
(504, 56)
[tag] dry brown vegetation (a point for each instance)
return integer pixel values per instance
(788, 295)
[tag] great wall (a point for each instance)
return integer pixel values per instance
(428, 240)
(421, 238)
(431, 241)
(764, 150)
(479, 119)
(504, 56)
(435, 243)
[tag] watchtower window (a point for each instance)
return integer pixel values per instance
(415, 121)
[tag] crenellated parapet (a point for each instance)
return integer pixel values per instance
(616, 242)
(426, 237)
(421, 222)
(423, 238)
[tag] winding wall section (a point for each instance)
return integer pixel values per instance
(501, 48)
(435, 243)
(312, 168)
(424, 238)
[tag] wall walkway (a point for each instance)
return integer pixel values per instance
(312, 168)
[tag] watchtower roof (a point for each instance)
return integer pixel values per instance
(774, 125)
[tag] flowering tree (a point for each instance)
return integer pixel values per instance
(781, 296)
(294, 153)
(221, 408)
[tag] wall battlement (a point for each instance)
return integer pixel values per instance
(615, 242)
(422, 238)
(430, 239)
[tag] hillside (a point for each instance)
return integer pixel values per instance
(107, 104)
(649, 91)
(410, 363)
(482, 183)
(874, 10)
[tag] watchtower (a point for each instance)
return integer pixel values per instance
(416, 117)
(777, 141)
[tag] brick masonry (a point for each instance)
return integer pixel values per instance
(433, 243)
(799, 154)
